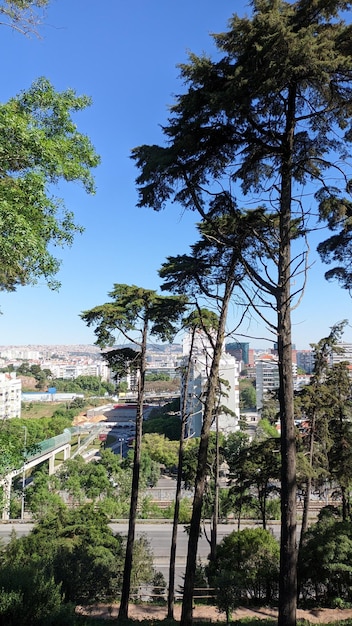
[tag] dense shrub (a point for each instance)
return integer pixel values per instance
(245, 569)
(325, 563)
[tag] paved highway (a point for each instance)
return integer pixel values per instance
(159, 537)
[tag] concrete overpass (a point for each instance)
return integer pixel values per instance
(47, 451)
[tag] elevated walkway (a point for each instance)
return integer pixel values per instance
(46, 451)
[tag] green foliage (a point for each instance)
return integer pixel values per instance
(270, 115)
(266, 429)
(185, 511)
(78, 403)
(89, 385)
(14, 432)
(161, 450)
(165, 420)
(160, 376)
(150, 470)
(11, 450)
(149, 509)
(168, 425)
(339, 409)
(130, 305)
(159, 588)
(248, 396)
(246, 568)
(255, 471)
(30, 597)
(76, 548)
(106, 483)
(42, 496)
(142, 568)
(40, 147)
(85, 481)
(39, 429)
(270, 410)
(325, 569)
(69, 556)
(189, 465)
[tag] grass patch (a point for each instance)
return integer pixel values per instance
(40, 409)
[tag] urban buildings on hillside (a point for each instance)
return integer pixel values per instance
(70, 371)
(69, 362)
(164, 361)
(200, 367)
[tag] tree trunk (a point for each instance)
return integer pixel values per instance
(214, 529)
(187, 604)
(171, 591)
(306, 502)
(126, 584)
(288, 545)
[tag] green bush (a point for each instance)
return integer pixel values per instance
(325, 562)
(185, 512)
(246, 568)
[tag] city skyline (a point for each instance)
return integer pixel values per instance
(125, 57)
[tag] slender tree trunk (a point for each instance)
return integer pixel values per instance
(344, 503)
(262, 501)
(126, 584)
(214, 529)
(171, 591)
(288, 545)
(187, 604)
(239, 513)
(306, 502)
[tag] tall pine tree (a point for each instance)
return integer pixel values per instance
(270, 115)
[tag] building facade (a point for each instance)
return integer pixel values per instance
(202, 354)
(305, 360)
(10, 395)
(240, 350)
(267, 377)
(343, 353)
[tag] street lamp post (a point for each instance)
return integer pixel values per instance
(24, 473)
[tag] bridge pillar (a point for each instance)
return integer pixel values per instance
(67, 452)
(52, 464)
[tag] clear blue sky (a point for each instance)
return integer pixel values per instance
(124, 55)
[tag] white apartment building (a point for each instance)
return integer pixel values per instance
(229, 371)
(70, 371)
(20, 354)
(344, 353)
(267, 377)
(10, 395)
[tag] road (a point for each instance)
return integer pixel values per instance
(159, 537)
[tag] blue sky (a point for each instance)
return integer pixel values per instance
(124, 55)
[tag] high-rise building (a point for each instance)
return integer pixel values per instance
(202, 354)
(240, 350)
(305, 360)
(267, 377)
